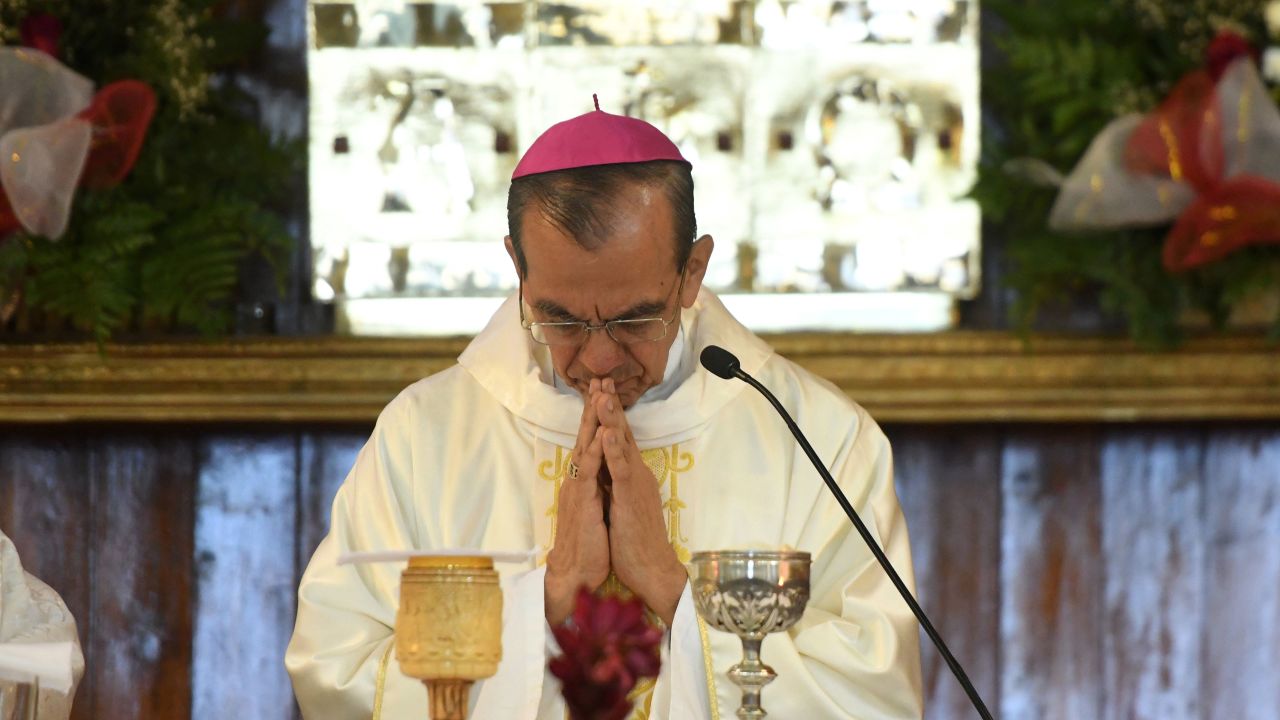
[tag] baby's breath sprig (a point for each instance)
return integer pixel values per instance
(180, 44)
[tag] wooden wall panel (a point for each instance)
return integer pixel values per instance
(1153, 533)
(949, 487)
(1077, 572)
(45, 509)
(325, 460)
(142, 542)
(1051, 579)
(1242, 592)
(246, 513)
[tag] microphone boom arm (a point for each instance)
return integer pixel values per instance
(872, 544)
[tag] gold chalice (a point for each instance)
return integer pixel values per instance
(449, 628)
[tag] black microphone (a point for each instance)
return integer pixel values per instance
(721, 362)
(725, 364)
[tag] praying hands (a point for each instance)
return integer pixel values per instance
(610, 517)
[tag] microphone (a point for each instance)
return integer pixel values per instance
(721, 362)
(725, 364)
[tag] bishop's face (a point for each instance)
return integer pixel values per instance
(631, 275)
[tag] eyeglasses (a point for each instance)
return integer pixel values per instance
(625, 332)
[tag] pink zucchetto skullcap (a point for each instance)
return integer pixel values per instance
(596, 138)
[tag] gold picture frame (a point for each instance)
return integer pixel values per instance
(946, 377)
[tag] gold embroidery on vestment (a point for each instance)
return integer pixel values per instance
(381, 685)
(709, 667)
(553, 471)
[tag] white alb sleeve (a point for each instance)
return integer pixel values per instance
(516, 690)
(681, 690)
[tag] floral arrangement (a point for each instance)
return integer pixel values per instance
(58, 134)
(1165, 212)
(607, 647)
(196, 188)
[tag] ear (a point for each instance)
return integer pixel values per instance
(695, 269)
(511, 253)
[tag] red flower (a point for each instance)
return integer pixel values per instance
(42, 31)
(1225, 49)
(607, 648)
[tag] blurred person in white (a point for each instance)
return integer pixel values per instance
(579, 422)
(31, 612)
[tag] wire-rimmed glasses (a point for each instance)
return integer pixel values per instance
(575, 333)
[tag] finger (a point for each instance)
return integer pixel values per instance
(591, 458)
(609, 387)
(590, 420)
(612, 416)
(615, 455)
(608, 408)
(595, 450)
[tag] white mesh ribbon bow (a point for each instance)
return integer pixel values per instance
(43, 144)
(56, 134)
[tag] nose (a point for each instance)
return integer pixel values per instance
(601, 354)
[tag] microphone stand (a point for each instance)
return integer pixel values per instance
(872, 544)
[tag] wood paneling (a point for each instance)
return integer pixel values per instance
(1051, 577)
(1077, 572)
(246, 530)
(142, 528)
(324, 461)
(1154, 545)
(949, 488)
(45, 506)
(1242, 591)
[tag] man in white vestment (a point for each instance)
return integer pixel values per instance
(32, 613)
(580, 423)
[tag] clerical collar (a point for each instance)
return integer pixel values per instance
(679, 367)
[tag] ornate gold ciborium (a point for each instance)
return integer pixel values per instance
(449, 628)
(750, 593)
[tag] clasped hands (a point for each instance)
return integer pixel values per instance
(610, 517)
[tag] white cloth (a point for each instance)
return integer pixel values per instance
(472, 456)
(42, 141)
(31, 615)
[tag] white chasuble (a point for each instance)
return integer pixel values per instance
(474, 457)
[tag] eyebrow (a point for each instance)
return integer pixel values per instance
(646, 309)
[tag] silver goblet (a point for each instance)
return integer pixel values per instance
(750, 593)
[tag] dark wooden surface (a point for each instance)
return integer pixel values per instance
(1077, 571)
(948, 490)
(141, 576)
(46, 509)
